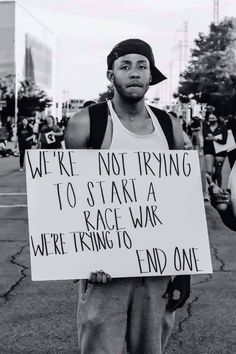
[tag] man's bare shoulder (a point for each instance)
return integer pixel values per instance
(78, 130)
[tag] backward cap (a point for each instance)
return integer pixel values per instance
(136, 46)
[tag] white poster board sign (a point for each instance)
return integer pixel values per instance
(230, 143)
(129, 213)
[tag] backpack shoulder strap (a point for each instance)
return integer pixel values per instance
(98, 121)
(166, 125)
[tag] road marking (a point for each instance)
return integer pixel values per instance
(14, 206)
(3, 194)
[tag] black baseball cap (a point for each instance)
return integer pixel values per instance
(136, 46)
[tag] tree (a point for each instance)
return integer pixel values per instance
(30, 97)
(107, 95)
(210, 74)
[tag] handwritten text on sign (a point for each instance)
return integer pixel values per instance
(130, 213)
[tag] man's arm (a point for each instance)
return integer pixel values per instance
(78, 130)
(76, 137)
(181, 283)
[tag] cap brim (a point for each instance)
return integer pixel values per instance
(157, 76)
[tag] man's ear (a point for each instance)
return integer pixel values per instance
(150, 80)
(110, 76)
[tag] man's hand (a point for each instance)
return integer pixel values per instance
(99, 277)
(181, 283)
(220, 199)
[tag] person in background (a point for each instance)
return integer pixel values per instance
(3, 139)
(9, 129)
(63, 122)
(134, 315)
(187, 141)
(50, 135)
(184, 124)
(224, 201)
(25, 138)
(231, 125)
(195, 131)
(214, 161)
(36, 129)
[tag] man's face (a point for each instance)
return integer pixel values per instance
(131, 76)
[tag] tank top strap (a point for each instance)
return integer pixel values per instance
(113, 115)
(122, 137)
(154, 119)
(156, 124)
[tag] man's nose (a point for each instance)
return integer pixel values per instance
(134, 73)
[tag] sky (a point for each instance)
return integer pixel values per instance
(89, 29)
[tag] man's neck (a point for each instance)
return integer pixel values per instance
(128, 110)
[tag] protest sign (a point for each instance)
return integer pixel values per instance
(129, 213)
(230, 143)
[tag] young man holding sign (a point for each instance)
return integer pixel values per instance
(133, 315)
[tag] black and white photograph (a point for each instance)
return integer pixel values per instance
(118, 176)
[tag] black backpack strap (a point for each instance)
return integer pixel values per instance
(166, 125)
(98, 122)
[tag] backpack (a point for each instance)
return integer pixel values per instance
(98, 121)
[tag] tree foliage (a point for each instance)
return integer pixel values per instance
(210, 76)
(30, 97)
(107, 95)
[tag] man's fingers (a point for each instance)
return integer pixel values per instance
(92, 278)
(108, 277)
(99, 277)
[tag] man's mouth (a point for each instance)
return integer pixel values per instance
(134, 84)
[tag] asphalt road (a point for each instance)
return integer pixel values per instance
(40, 317)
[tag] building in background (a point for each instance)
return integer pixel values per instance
(72, 106)
(29, 51)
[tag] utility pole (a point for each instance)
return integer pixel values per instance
(170, 81)
(183, 47)
(216, 12)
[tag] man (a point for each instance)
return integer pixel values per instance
(225, 201)
(132, 315)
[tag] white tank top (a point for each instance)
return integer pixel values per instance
(122, 138)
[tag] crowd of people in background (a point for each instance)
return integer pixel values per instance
(199, 134)
(42, 133)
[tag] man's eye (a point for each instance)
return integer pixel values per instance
(124, 67)
(143, 67)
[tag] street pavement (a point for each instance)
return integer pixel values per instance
(40, 317)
